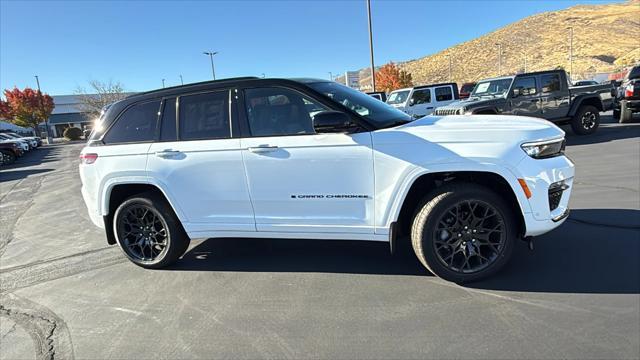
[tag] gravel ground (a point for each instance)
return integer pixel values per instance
(64, 293)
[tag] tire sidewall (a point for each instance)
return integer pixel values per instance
(473, 193)
(159, 261)
(577, 125)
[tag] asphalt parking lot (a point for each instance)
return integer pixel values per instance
(64, 293)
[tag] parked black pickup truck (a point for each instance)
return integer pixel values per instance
(544, 94)
(627, 96)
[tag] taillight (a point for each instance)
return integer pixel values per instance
(628, 91)
(88, 158)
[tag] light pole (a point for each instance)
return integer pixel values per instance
(163, 83)
(46, 121)
(449, 56)
(570, 28)
(211, 53)
(525, 61)
(181, 81)
(499, 58)
(373, 74)
(330, 76)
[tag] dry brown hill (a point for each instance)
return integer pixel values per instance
(605, 38)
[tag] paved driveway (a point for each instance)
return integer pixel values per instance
(64, 293)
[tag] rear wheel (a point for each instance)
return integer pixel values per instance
(8, 157)
(586, 120)
(463, 232)
(148, 231)
(626, 116)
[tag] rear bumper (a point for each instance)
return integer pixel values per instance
(94, 215)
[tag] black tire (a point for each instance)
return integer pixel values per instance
(586, 120)
(626, 116)
(431, 214)
(8, 157)
(173, 241)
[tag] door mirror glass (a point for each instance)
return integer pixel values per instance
(331, 121)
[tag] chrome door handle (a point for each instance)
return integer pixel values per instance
(261, 149)
(167, 153)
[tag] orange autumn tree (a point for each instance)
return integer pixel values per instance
(26, 108)
(389, 77)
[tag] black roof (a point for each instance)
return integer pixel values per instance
(432, 85)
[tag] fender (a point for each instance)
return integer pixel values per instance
(509, 175)
(580, 99)
(136, 178)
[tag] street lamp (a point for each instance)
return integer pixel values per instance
(163, 83)
(46, 121)
(373, 74)
(330, 76)
(211, 53)
(570, 28)
(449, 56)
(499, 58)
(181, 81)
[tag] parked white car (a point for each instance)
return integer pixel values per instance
(312, 159)
(24, 144)
(34, 141)
(420, 101)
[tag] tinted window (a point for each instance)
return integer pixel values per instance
(279, 111)
(634, 73)
(550, 83)
(204, 116)
(422, 96)
(466, 88)
(168, 126)
(444, 93)
(526, 85)
(398, 97)
(137, 123)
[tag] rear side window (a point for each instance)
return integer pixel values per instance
(204, 116)
(137, 124)
(168, 124)
(526, 85)
(444, 93)
(422, 96)
(550, 83)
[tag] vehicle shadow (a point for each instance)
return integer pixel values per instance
(20, 174)
(609, 130)
(578, 257)
(34, 157)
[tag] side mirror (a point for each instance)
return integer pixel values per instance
(516, 92)
(331, 121)
(412, 102)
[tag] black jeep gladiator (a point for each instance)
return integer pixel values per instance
(544, 94)
(627, 96)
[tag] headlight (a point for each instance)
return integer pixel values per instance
(544, 149)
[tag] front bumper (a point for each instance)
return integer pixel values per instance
(548, 206)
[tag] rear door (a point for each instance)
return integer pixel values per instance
(198, 163)
(554, 96)
(300, 180)
(443, 96)
(524, 98)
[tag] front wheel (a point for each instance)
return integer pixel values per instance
(586, 120)
(463, 232)
(148, 231)
(8, 157)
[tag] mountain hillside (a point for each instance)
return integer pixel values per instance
(606, 38)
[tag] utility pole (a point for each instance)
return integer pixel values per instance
(46, 121)
(163, 83)
(181, 81)
(373, 74)
(499, 58)
(213, 70)
(570, 28)
(525, 62)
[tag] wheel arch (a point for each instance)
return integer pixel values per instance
(583, 100)
(428, 182)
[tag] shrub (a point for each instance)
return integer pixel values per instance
(72, 133)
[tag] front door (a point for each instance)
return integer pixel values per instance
(299, 180)
(420, 103)
(198, 163)
(524, 98)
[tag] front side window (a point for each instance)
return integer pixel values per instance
(526, 86)
(550, 83)
(444, 93)
(279, 112)
(398, 97)
(204, 116)
(422, 96)
(136, 124)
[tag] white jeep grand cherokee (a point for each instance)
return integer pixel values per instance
(312, 159)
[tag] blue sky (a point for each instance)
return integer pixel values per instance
(140, 42)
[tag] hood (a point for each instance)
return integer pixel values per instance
(474, 102)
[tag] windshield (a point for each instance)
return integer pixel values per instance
(398, 97)
(376, 112)
(494, 88)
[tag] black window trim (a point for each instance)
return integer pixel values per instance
(244, 120)
(114, 122)
(230, 112)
